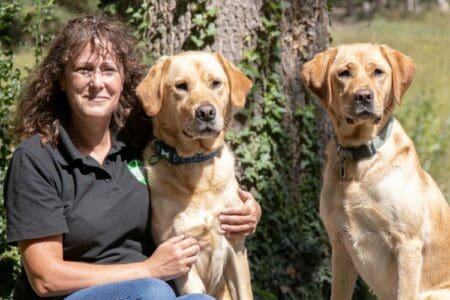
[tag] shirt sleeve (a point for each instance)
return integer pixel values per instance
(34, 208)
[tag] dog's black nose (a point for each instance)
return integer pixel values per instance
(205, 112)
(364, 97)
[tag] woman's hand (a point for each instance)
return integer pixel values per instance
(174, 257)
(241, 221)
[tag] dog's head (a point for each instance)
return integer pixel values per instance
(359, 84)
(190, 97)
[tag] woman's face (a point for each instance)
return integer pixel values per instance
(93, 83)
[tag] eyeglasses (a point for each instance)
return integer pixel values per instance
(89, 73)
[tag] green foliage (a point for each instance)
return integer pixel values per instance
(419, 120)
(41, 14)
(119, 7)
(203, 28)
(139, 20)
(9, 89)
(288, 252)
(9, 18)
(15, 20)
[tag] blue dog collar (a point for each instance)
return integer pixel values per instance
(163, 150)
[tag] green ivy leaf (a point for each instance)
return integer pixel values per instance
(199, 20)
(212, 12)
(211, 30)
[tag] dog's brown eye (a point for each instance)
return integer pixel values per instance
(378, 72)
(344, 73)
(216, 84)
(182, 86)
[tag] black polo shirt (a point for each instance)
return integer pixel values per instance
(102, 211)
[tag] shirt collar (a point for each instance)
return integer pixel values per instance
(71, 154)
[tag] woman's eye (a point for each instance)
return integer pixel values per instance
(84, 72)
(109, 71)
(182, 86)
(344, 73)
(378, 72)
(216, 84)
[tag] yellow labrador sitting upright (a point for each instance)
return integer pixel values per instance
(385, 216)
(191, 97)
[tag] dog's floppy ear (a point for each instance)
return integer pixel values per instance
(150, 89)
(240, 84)
(403, 69)
(316, 76)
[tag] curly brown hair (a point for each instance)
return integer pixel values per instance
(43, 105)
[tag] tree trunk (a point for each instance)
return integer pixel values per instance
(171, 23)
(303, 33)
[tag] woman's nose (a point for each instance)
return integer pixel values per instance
(96, 80)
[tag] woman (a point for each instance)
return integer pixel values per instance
(75, 206)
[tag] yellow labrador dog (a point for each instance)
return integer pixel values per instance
(191, 97)
(385, 217)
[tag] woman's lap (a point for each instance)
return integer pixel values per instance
(141, 289)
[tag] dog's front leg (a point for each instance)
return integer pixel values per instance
(190, 283)
(343, 272)
(409, 262)
(237, 272)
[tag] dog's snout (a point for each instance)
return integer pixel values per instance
(205, 112)
(364, 96)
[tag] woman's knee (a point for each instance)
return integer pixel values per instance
(143, 289)
(196, 297)
(152, 288)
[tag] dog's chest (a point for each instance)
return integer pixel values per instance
(201, 216)
(371, 216)
(380, 207)
(189, 198)
(361, 227)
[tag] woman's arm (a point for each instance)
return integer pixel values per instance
(50, 275)
(238, 221)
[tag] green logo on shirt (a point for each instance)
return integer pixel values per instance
(137, 169)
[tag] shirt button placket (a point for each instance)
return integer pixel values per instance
(107, 163)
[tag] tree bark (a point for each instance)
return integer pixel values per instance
(170, 26)
(304, 33)
(238, 22)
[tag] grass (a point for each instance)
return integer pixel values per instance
(425, 112)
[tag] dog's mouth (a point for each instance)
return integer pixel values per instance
(202, 130)
(363, 116)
